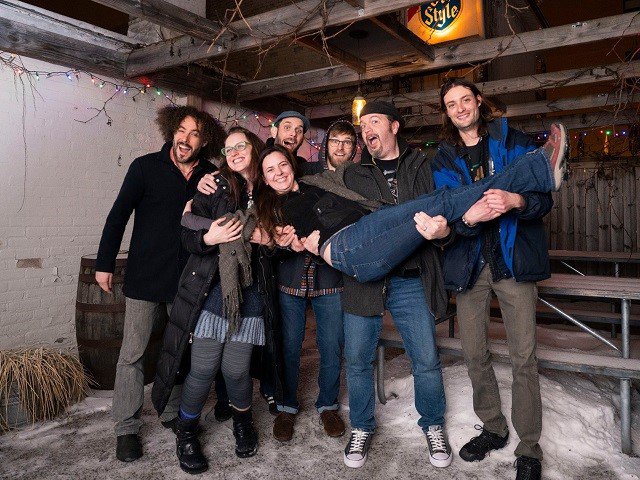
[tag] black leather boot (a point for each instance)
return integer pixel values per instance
(245, 433)
(188, 448)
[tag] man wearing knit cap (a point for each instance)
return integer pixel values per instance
(392, 172)
(288, 130)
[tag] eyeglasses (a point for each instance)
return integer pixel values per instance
(334, 142)
(238, 147)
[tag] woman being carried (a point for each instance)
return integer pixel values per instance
(336, 223)
(222, 305)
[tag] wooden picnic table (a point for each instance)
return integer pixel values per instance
(616, 258)
(600, 287)
(564, 285)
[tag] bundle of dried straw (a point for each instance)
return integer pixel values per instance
(47, 382)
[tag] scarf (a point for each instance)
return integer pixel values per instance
(235, 267)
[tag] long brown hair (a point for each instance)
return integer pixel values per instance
(268, 204)
(450, 132)
(257, 145)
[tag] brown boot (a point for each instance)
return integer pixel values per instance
(283, 426)
(332, 423)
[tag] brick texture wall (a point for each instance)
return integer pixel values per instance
(58, 180)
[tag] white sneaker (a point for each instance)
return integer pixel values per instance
(355, 453)
(439, 450)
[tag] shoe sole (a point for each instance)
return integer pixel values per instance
(354, 463)
(194, 471)
(128, 459)
(247, 454)
(441, 463)
(561, 165)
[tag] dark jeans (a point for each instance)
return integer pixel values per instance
(370, 248)
(408, 306)
(330, 342)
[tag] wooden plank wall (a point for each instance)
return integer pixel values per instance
(597, 210)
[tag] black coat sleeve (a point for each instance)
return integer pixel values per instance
(211, 206)
(128, 198)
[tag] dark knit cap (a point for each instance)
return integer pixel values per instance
(306, 125)
(384, 108)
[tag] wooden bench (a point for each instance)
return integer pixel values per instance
(582, 314)
(616, 258)
(574, 286)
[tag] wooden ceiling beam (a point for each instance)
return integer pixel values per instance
(43, 35)
(38, 33)
(542, 107)
(542, 124)
(451, 56)
(397, 30)
(261, 30)
(165, 14)
(356, 3)
(543, 81)
(354, 63)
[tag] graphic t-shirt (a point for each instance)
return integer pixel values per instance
(389, 169)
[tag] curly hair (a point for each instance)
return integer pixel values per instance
(450, 132)
(257, 146)
(268, 205)
(170, 117)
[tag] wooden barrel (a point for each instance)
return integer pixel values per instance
(100, 325)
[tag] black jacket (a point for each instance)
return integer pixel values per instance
(414, 179)
(195, 283)
(157, 191)
(290, 266)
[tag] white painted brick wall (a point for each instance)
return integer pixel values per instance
(53, 204)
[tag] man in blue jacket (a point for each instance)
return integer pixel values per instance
(500, 247)
(156, 187)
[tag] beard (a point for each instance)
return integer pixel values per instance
(190, 156)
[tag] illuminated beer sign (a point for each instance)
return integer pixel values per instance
(439, 15)
(445, 20)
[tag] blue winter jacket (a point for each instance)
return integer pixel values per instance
(522, 236)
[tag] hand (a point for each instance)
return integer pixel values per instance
(311, 242)
(187, 207)
(297, 245)
(503, 201)
(431, 228)
(207, 184)
(260, 237)
(105, 280)
(285, 235)
(221, 232)
(480, 212)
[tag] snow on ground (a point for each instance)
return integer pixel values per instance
(581, 437)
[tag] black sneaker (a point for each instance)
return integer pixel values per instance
(355, 454)
(222, 411)
(271, 403)
(439, 450)
(128, 447)
(528, 468)
(478, 447)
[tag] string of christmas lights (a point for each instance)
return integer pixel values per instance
(15, 63)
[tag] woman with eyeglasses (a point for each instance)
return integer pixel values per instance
(224, 299)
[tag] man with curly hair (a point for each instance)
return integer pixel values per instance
(156, 187)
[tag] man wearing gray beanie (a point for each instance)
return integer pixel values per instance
(392, 172)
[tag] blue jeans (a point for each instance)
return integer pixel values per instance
(330, 341)
(408, 306)
(370, 248)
